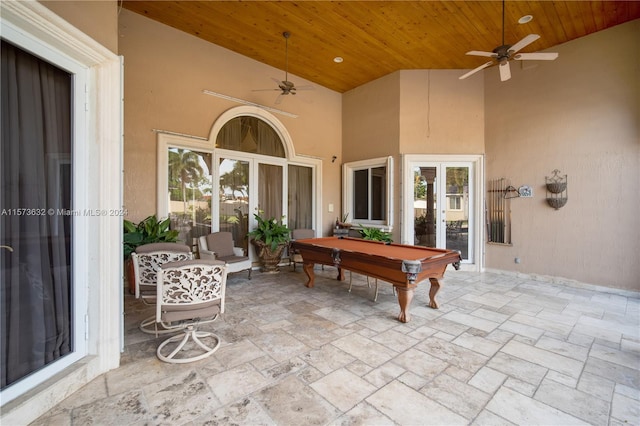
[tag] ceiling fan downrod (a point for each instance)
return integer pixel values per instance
(286, 36)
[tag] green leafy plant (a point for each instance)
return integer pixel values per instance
(420, 225)
(270, 231)
(375, 234)
(150, 230)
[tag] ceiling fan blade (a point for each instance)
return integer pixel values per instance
(480, 53)
(505, 71)
(540, 56)
(473, 71)
(279, 99)
(264, 90)
(307, 87)
(524, 42)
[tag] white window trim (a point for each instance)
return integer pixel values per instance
(98, 186)
(347, 190)
(167, 139)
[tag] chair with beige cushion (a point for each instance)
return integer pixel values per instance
(299, 234)
(147, 260)
(190, 293)
(220, 246)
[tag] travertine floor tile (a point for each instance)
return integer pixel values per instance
(235, 383)
(459, 397)
(243, 412)
(501, 350)
(363, 415)
(625, 409)
(574, 402)
(488, 380)
(343, 389)
(126, 408)
(291, 402)
(178, 398)
(521, 410)
(366, 350)
(406, 406)
(562, 364)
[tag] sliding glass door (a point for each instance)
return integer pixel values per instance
(39, 305)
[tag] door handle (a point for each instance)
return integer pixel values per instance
(7, 247)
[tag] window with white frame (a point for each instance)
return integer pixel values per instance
(455, 201)
(367, 192)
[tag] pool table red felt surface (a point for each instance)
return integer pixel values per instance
(403, 266)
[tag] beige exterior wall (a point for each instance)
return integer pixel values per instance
(371, 119)
(579, 114)
(413, 112)
(165, 73)
(98, 19)
(440, 114)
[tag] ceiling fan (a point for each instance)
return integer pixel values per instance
(505, 53)
(285, 86)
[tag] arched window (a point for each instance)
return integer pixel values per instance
(250, 134)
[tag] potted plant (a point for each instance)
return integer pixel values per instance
(375, 234)
(269, 238)
(420, 227)
(341, 223)
(150, 230)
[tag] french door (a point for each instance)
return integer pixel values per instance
(210, 190)
(247, 185)
(442, 210)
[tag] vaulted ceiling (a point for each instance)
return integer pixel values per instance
(376, 38)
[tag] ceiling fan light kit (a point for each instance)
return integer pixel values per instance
(503, 54)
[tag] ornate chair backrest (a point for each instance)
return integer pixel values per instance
(147, 260)
(221, 243)
(190, 289)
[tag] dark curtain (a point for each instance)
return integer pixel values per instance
(35, 225)
(270, 190)
(300, 197)
(252, 135)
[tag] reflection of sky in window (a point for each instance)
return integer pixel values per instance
(226, 166)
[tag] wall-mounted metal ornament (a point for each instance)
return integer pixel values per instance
(556, 190)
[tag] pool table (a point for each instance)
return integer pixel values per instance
(404, 266)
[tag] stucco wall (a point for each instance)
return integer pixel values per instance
(98, 19)
(371, 119)
(440, 114)
(413, 112)
(165, 73)
(579, 114)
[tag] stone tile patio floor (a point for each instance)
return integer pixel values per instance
(500, 350)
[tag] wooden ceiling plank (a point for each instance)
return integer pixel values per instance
(379, 37)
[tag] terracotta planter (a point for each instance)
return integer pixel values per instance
(130, 275)
(269, 259)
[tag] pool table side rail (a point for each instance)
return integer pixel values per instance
(385, 268)
(392, 250)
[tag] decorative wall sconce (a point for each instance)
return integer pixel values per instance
(556, 190)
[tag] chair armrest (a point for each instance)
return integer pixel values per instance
(238, 251)
(207, 254)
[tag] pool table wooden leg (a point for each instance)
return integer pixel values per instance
(405, 295)
(435, 288)
(340, 276)
(308, 269)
